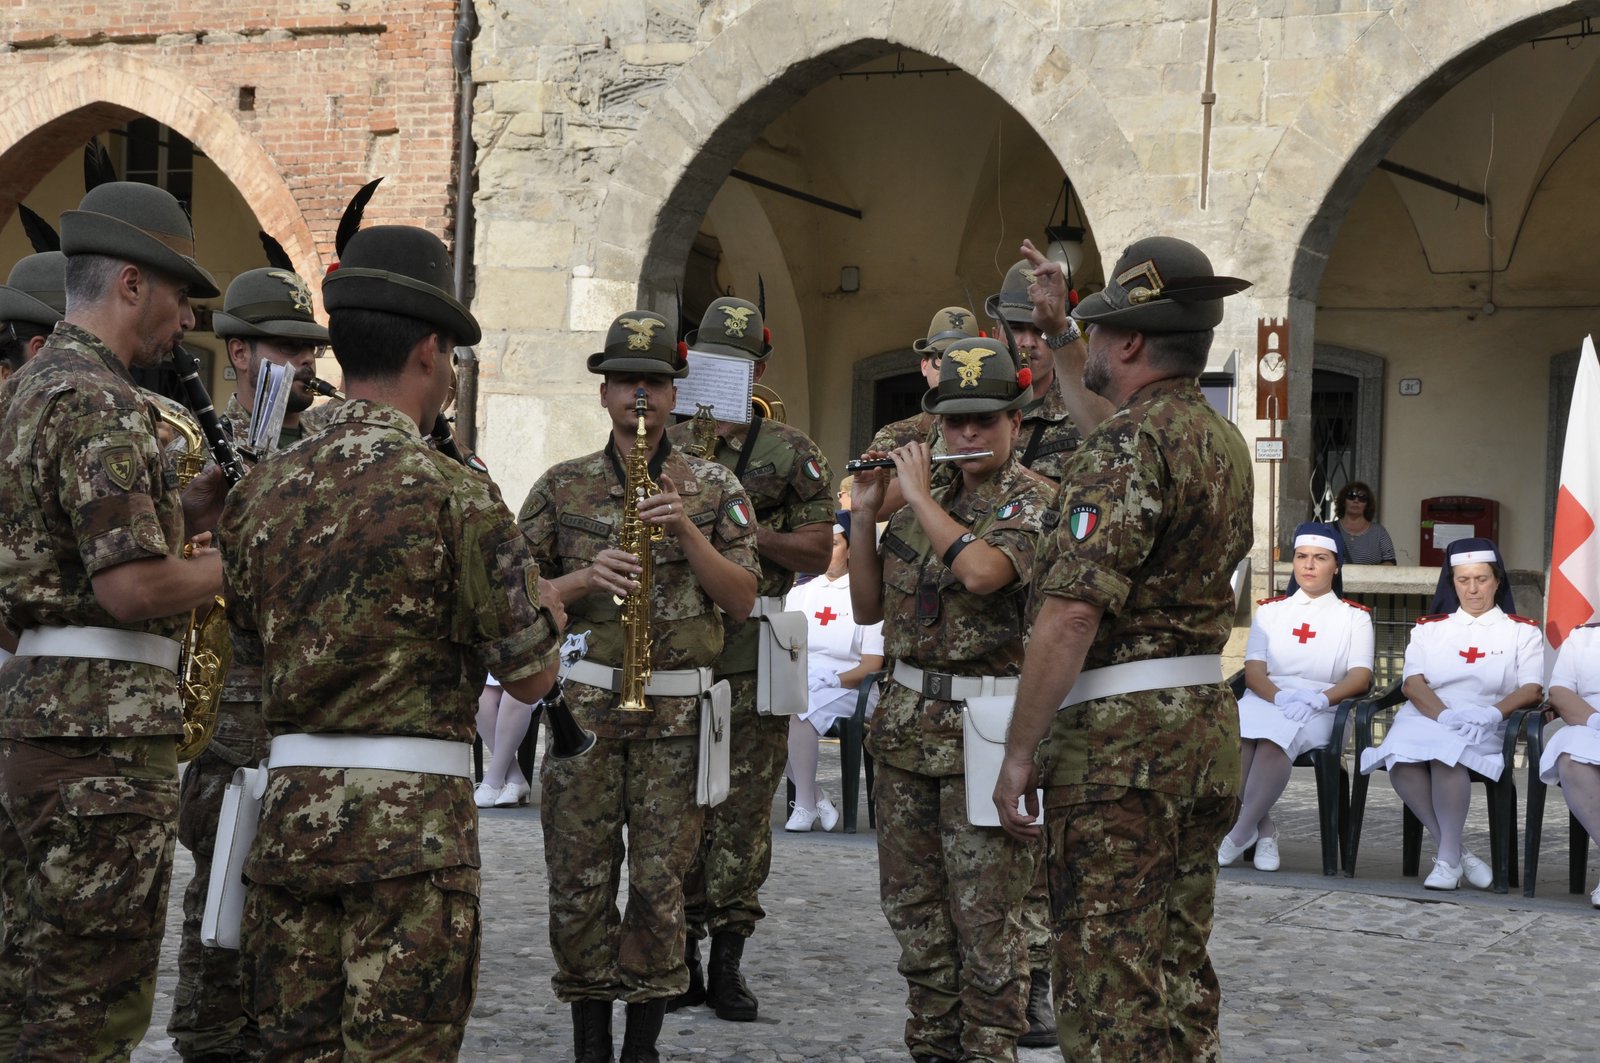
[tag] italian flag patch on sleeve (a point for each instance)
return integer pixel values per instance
(1082, 522)
(739, 512)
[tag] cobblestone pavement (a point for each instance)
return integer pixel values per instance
(1365, 968)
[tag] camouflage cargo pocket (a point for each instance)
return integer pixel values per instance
(442, 939)
(1107, 852)
(109, 859)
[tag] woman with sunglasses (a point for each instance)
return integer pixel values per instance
(1365, 540)
(949, 580)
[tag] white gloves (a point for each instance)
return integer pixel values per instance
(1300, 705)
(1485, 716)
(822, 681)
(1475, 723)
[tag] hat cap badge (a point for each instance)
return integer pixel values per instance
(738, 319)
(643, 329)
(971, 365)
(957, 318)
(1143, 293)
(299, 294)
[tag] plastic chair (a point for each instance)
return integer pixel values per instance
(1501, 795)
(851, 733)
(1333, 781)
(1533, 730)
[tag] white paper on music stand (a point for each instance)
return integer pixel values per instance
(722, 381)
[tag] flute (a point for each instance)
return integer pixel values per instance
(857, 464)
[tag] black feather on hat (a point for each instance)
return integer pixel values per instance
(41, 234)
(276, 255)
(395, 269)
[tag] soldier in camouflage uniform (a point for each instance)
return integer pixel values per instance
(32, 300)
(376, 582)
(94, 578)
(950, 582)
(266, 316)
(640, 775)
(788, 482)
(1142, 770)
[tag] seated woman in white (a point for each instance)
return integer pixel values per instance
(841, 653)
(1571, 758)
(1308, 651)
(1468, 666)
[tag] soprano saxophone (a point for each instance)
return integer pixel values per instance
(635, 538)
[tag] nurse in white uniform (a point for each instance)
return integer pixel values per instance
(1468, 666)
(1308, 651)
(840, 654)
(1571, 757)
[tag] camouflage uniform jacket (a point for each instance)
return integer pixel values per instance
(243, 681)
(789, 484)
(1049, 436)
(1154, 516)
(83, 488)
(974, 634)
(383, 582)
(575, 511)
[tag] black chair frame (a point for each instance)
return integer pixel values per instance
(1333, 782)
(1501, 795)
(1533, 725)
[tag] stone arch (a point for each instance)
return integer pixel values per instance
(64, 103)
(759, 66)
(1405, 61)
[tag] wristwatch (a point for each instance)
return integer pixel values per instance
(1064, 337)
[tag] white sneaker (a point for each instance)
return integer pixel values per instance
(514, 794)
(1478, 873)
(1594, 898)
(1267, 854)
(1228, 852)
(800, 820)
(827, 815)
(484, 795)
(1443, 876)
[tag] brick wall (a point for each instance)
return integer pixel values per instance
(343, 92)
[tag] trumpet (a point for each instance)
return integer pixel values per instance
(858, 464)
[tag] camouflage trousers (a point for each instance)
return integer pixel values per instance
(1133, 876)
(722, 891)
(86, 831)
(209, 1009)
(647, 786)
(952, 894)
(383, 970)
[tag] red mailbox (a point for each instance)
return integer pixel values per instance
(1451, 517)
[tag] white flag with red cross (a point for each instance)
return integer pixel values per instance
(1575, 552)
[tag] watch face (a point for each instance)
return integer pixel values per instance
(1272, 367)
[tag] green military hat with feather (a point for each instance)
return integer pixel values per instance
(1160, 284)
(138, 223)
(641, 341)
(395, 269)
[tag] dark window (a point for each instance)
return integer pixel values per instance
(1218, 390)
(897, 397)
(1333, 438)
(158, 156)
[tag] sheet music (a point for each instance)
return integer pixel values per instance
(722, 381)
(273, 384)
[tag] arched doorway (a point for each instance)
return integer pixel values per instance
(1458, 248)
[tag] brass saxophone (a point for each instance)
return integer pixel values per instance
(207, 644)
(635, 538)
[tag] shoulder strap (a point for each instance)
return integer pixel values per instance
(749, 448)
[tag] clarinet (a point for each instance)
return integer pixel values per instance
(188, 367)
(444, 442)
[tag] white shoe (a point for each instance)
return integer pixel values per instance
(1443, 876)
(484, 795)
(1594, 898)
(1478, 873)
(827, 815)
(514, 794)
(1228, 852)
(1267, 854)
(800, 820)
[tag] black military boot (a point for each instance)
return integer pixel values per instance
(1041, 1013)
(639, 1035)
(726, 992)
(591, 1031)
(695, 995)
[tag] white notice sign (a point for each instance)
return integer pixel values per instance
(1269, 449)
(722, 381)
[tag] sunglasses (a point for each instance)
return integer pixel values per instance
(1357, 496)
